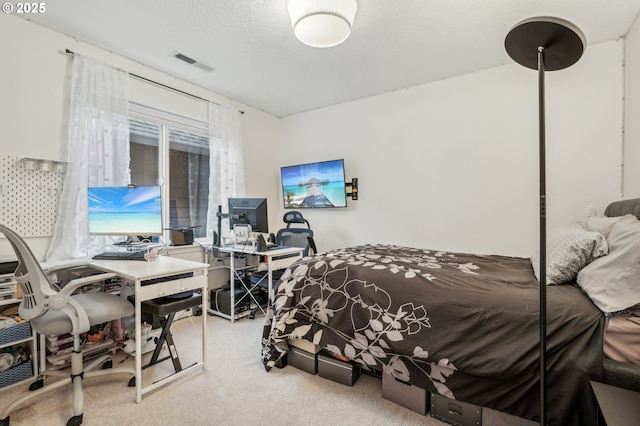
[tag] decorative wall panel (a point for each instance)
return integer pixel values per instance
(30, 189)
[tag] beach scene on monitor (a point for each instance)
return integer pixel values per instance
(125, 211)
(315, 185)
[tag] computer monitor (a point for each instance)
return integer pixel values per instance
(252, 211)
(125, 210)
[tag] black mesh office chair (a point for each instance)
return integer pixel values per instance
(290, 236)
(296, 237)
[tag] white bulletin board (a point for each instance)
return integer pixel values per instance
(30, 189)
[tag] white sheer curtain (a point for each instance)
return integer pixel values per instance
(97, 152)
(198, 170)
(226, 176)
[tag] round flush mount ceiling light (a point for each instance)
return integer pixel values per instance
(322, 23)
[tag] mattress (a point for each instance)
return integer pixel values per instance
(622, 336)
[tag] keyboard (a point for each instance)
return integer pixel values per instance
(121, 255)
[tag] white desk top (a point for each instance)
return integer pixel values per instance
(281, 251)
(136, 269)
(139, 269)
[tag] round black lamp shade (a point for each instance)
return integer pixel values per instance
(563, 43)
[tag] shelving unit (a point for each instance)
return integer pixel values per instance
(17, 336)
(242, 259)
(239, 297)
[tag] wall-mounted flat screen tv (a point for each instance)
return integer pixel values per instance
(314, 185)
(123, 210)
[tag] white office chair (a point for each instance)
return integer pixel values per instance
(53, 311)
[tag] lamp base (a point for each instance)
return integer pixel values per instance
(563, 43)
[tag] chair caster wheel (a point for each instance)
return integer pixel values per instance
(132, 382)
(107, 364)
(75, 420)
(252, 316)
(36, 385)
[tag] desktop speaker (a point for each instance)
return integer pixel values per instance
(261, 244)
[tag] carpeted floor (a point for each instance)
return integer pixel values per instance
(235, 389)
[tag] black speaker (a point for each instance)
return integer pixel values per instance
(261, 244)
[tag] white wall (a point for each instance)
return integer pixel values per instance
(454, 164)
(449, 165)
(34, 88)
(632, 112)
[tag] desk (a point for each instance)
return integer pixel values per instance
(161, 268)
(276, 258)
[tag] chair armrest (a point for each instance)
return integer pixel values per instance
(73, 285)
(64, 266)
(62, 301)
(621, 374)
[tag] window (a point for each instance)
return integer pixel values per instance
(177, 159)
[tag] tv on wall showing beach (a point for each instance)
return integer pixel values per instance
(314, 185)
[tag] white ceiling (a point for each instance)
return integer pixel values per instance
(257, 60)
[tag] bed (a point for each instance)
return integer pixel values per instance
(463, 325)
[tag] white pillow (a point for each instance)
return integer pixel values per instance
(601, 224)
(569, 249)
(613, 282)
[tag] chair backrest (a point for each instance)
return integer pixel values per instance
(33, 282)
(296, 237)
(294, 216)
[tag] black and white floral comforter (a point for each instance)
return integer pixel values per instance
(463, 325)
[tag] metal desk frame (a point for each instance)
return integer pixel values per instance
(276, 258)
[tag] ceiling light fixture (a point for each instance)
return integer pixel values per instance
(322, 23)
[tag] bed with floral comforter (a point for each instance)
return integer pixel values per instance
(462, 325)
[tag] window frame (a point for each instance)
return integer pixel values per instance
(166, 121)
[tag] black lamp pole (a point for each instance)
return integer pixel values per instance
(543, 240)
(544, 43)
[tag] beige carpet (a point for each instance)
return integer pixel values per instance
(234, 390)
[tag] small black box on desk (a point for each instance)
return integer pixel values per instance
(455, 412)
(339, 371)
(181, 236)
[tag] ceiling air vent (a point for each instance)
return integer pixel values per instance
(185, 58)
(191, 61)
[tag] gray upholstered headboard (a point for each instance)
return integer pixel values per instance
(623, 207)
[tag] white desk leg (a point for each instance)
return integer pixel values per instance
(205, 294)
(42, 361)
(232, 281)
(138, 353)
(270, 276)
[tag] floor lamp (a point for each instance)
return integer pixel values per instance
(544, 44)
